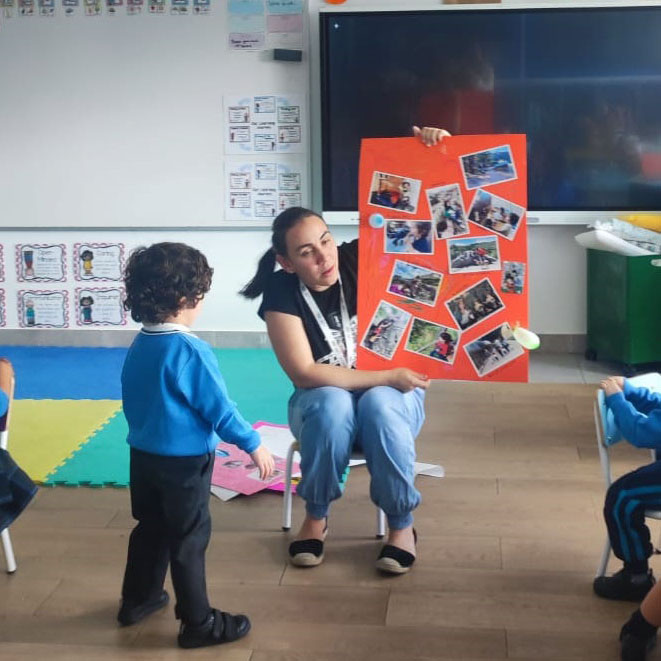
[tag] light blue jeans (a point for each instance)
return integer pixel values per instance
(381, 422)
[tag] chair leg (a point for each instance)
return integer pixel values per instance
(9, 551)
(380, 523)
(605, 556)
(286, 501)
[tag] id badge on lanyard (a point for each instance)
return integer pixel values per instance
(348, 357)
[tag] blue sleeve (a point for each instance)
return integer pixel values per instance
(4, 403)
(204, 388)
(643, 431)
(643, 399)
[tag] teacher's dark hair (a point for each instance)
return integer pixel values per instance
(281, 225)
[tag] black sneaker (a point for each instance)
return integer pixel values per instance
(634, 648)
(132, 613)
(218, 628)
(622, 586)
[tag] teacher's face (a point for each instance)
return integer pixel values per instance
(311, 254)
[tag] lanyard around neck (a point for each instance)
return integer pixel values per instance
(348, 357)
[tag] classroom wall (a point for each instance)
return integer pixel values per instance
(557, 265)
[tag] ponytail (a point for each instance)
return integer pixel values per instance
(264, 270)
(281, 225)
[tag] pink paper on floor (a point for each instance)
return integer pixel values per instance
(235, 470)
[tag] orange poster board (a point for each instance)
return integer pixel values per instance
(443, 259)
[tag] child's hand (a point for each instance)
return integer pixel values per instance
(612, 384)
(429, 135)
(264, 461)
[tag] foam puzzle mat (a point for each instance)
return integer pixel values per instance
(67, 427)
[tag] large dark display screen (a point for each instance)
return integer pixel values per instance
(583, 84)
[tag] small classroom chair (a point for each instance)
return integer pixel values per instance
(286, 504)
(605, 432)
(7, 384)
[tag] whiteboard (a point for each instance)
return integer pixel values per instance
(117, 121)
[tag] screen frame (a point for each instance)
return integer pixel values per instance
(318, 95)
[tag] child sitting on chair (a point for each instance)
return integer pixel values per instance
(637, 414)
(176, 405)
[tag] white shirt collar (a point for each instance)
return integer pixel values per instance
(167, 327)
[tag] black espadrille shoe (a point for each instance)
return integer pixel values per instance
(393, 560)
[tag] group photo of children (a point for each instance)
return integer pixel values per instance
(494, 349)
(394, 192)
(415, 282)
(492, 166)
(409, 236)
(474, 254)
(495, 214)
(475, 304)
(447, 211)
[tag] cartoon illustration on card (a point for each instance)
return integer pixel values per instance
(43, 309)
(40, 263)
(100, 307)
(98, 261)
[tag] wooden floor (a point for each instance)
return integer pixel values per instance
(509, 543)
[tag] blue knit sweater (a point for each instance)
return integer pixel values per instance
(175, 399)
(637, 413)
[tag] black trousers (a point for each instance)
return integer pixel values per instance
(624, 511)
(170, 501)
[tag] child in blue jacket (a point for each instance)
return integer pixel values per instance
(176, 405)
(637, 413)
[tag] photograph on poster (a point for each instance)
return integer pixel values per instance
(495, 214)
(43, 309)
(447, 211)
(488, 167)
(385, 330)
(100, 307)
(40, 263)
(432, 340)
(513, 277)
(475, 304)
(98, 261)
(493, 350)
(394, 192)
(408, 236)
(415, 283)
(473, 254)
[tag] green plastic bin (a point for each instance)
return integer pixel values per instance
(624, 308)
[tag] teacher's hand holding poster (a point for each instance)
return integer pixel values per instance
(443, 279)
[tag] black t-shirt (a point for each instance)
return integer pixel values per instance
(282, 294)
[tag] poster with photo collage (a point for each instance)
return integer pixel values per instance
(443, 277)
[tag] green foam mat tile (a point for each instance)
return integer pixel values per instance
(255, 381)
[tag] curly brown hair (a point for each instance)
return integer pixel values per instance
(157, 278)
